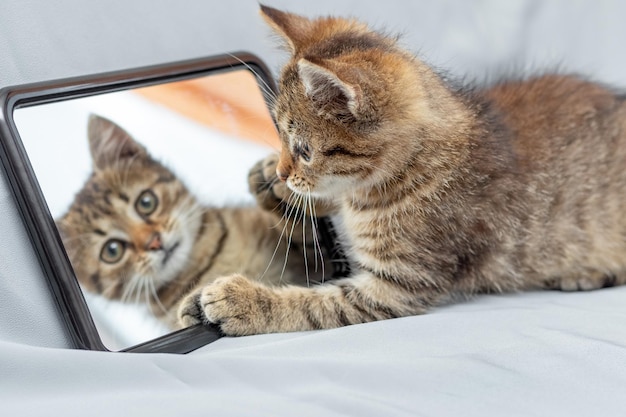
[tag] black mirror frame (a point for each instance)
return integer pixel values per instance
(34, 210)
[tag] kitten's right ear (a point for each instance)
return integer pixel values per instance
(109, 143)
(336, 89)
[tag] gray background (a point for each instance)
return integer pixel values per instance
(43, 40)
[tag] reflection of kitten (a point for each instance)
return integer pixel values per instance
(135, 233)
(441, 190)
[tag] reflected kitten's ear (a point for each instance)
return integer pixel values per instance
(333, 95)
(64, 230)
(109, 143)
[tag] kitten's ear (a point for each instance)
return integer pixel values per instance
(109, 143)
(64, 232)
(294, 29)
(324, 85)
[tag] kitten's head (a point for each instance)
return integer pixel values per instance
(132, 226)
(349, 101)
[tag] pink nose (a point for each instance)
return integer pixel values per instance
(282, 175)
(154, 243)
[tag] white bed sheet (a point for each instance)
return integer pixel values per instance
(534, 354)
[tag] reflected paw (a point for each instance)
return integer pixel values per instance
(189, 312)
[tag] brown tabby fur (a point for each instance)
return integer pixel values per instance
(439, 190)
(181, 246)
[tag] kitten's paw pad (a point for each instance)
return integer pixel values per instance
(237, 305)
(190, 312)
(263, 183)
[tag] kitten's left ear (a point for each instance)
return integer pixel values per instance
(109, 143)
(294, 29)
(326, 84)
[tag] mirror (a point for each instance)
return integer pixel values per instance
(206, 122)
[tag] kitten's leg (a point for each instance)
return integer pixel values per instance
(243, 307)
(586, 281)
(263, 183)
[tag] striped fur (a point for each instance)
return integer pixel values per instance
(178, 247)
(440, 191)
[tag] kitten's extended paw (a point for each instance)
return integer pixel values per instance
(269, 191)
(236, 304)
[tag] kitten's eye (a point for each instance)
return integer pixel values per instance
(112, 251)
(304, 151)
(146, 203)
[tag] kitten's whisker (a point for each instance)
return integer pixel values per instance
(146, 291)
(130, 289)
(304, 248)
(124, 295)
(293, 226)
(314, 225)
(263, 84)
(155, 297)
(138, 290)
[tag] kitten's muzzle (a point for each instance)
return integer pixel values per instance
(168, 252)
(155, 242)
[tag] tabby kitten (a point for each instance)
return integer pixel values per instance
(135, 233)
(440, 190)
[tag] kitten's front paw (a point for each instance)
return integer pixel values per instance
(236, 304)
(269, 191)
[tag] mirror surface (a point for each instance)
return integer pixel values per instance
(207, 130)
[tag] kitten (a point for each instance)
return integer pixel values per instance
(135, 233)
(440, 190)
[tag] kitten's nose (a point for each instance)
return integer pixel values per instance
(154, 243)
(283, 168)
(282, 175)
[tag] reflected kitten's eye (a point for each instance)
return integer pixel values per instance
(112, 251)
(146, 203)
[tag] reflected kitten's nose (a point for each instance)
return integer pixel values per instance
(154, 243)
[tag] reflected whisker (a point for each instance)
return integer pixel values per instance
(156, 298)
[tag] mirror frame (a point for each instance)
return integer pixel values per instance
(33, 208)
